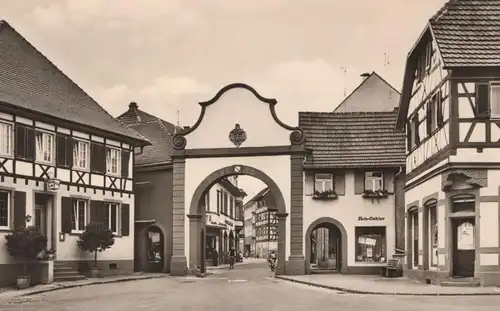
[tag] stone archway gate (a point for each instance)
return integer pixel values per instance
(237, 133)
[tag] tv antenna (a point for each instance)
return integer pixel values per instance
(345, 80)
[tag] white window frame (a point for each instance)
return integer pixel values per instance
(109, 160)
(324, 180)
(494, 114)
(40, 152)
(77, 153)
(7, 141)
(77, 216)
(369, 176)
(9, 212)
(117, 230)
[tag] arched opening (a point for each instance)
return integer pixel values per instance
(155, 247)
(326, 246)
(200, 219)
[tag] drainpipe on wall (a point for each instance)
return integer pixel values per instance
(396, 209)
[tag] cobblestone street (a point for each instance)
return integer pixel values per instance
(248, 287)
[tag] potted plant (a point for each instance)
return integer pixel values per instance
(325, 195)
(47, 254)
(369, 193)
(95, 239)
(24, 244)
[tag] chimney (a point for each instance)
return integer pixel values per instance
(133, 106)
(364, 76)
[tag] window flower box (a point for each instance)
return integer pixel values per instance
(377, 194)
(325, 195)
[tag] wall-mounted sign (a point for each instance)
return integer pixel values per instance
(361, 218)
(230, 224)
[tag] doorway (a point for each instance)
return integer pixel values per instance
(325, 241)
(155, 249)
(464, 252)
(42, 216)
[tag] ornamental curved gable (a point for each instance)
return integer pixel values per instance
(239, 126)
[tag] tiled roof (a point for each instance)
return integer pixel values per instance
(352, 140)
(258, 196)
(159, 132)
(468, 32)
(29, 80)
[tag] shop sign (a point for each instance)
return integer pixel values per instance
(362, 218)
(230, 224)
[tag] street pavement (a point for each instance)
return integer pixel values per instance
(248, 287)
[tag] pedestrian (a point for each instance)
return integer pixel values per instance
(232, 255)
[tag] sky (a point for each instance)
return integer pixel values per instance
(168, 55)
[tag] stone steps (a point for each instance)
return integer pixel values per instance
(460, 282)
(64, 273)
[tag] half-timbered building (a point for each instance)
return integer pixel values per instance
(64, 161)
(449, 108)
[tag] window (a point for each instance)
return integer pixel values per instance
(323, 182)
(231, 207)
(44, 147)
(81, 154)
(79, 215)
(370, 244)
(495, 99)
(207, 201)
(219, 200)
(374, 181)
(225, 202)
(464, 204)
(113, 216)
(6, 137)
(113, 161)
(415, 135)
(414, 237)
(433, 235)
(428, 56)
(432, 114)
(4, 210)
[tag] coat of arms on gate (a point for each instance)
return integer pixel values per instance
(237, 135)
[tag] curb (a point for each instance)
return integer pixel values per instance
(361, 292)
(41, 291)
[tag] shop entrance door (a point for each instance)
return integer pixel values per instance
(464, 253)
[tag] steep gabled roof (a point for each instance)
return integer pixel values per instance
(352, 140)
(468, 33)
(258, 196)
(373, 94)
(159, 132)
(28, 80)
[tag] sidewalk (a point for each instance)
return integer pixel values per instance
(377, 285)
(245, 262)
(11, 293)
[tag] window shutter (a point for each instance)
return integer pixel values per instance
(19, 209)
(389, 181)
(98, 212)
(208, 200)
(30, 144)
(308, 183)
(125, 219)
(97, 158)
(125, 163)
(64, 150)
(218, 201)
(408, 136)
(482, 100)
(339, 179)
(20, 142)
(66, 214)
(359, 182)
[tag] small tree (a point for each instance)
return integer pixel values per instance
(96, 238)
(24, 244)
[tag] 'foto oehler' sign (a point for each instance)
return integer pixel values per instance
(361, 218)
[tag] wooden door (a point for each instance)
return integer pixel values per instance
(464, 253)
(41, 219)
